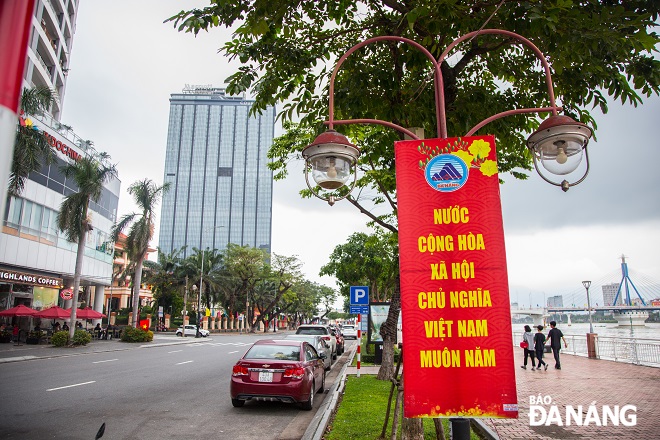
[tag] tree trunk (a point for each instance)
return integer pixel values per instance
(80, 254)
(439, 429)
(412, 429)
(137, 281)
(388, 332)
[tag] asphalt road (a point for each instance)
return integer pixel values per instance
(162, 392)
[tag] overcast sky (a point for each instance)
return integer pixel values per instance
(126, 63)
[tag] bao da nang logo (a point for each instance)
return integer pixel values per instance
(543, 411)
(446, 173)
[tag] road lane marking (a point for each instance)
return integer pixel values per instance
(175, 351)
(70, 386)
(186, 362)
(109, 360)
(232, 352)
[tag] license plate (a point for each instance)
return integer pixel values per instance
(265, 376)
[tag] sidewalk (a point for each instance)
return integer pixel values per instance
(591, 383)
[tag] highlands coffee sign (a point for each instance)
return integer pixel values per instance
(10, 276)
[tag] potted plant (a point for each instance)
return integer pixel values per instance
(34, 337)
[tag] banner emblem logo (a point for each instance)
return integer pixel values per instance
(446, 173)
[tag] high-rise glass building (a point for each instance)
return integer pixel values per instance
(221, 189)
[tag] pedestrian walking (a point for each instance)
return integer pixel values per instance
(528, 338)
(539, 346)
(555, 336)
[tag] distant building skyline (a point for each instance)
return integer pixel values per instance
(221, 189)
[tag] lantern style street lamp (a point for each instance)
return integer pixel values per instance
(558, 144)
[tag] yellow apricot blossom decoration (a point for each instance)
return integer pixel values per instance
(488, 168)
(480, 148)
(465, 156)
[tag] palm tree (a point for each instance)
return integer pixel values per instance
(31, 148)
(146, 195)
(90, 174)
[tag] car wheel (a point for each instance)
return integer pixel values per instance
(334, 356)
(310, 403)
(178, 333)
(237, 403)
(322, 389)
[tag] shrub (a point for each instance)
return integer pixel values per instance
(132, 334)
(60, 338)
(81, 337)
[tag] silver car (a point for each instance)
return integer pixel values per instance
(319, 344)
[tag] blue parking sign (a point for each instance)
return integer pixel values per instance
(359, 295)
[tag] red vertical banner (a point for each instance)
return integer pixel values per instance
(458, 355)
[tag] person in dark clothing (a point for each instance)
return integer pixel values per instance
(539, 346)
(555, 336)
(528, 337)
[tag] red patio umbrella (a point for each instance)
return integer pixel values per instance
(19, 310)
(89, 313)
(55, 312)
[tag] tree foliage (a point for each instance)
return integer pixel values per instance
(146, 195)
(31, 148)
(287, 48)
(366, 260)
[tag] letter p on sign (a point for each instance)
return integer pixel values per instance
(360, 295)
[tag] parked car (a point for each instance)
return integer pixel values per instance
(278, 370)
(191, 330)
(340, 340)
(349, 331)
(317, 342)
(321, 330)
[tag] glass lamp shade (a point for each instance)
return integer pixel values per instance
(331, 158)
(558, 144)
(559, 157)
(330, 172)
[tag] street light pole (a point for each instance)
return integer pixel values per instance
(199, 295)
(586, 285)
(558, 144)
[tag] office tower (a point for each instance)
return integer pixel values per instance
(216, 164)
(609, 293)
(49, 47)
(556, 301)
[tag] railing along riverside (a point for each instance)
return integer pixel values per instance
(638, 351)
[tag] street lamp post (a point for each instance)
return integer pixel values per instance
(558, 144)
(586, 285)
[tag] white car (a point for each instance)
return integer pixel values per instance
(349, 331)
(320, 330)
(191, 330)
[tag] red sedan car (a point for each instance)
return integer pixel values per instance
(278, 370)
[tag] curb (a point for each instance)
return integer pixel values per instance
(319, 423)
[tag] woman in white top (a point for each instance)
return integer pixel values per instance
(529, 351)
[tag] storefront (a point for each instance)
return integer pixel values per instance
(34, 290)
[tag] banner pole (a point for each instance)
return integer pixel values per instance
(359, 341)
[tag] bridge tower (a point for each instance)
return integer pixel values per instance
(631, 317)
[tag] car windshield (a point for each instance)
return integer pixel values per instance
(349, 327)
(311, 331)
(278, 352)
